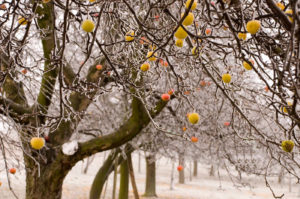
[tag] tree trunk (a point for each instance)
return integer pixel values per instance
(115, 180)
(105, 170)
(48, 184)
(102, 175)
(124, 180)
(139, 162)
(150, 189)
(131, 172)
(195, 168)
(172, 177)
(181, 173)
(212, 170)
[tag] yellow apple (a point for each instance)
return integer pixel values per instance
(226, 78)
(88, 25)
(188, 20)
(180, 33)
(145, 66)
(151, 56)
(253, 26)
(37, 143)
(193, 118)
(194, 5)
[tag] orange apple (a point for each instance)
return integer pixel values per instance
(99, 67)
(12, 170)
(194, 139)
(208, 31)
(24, 71)
(180, 168)
(184, 128)
(165, 64)
(171, 91)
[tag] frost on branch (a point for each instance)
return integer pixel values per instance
(70, 148)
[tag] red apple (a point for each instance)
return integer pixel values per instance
(165, 97)
(226, 123)
(212, 3)
(166, 64)
(46, 138)
(99, 67)
(24, 71)
(180, 168)
(208, 31)
(161, 61)
(202, 83)
(12, 170)
(156, 18)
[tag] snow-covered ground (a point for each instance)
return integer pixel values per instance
(77, 184)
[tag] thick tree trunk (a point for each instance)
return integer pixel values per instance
(124, 180)
(150, 189)
(181, 173)
(48, 184)
(195, 168)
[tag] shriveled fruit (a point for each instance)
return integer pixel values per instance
(129, 35)
(287, 145)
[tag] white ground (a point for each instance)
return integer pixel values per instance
(77, 184)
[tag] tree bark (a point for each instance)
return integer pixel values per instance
(131, 172)
(172, 177)
(212, 170)
(124, 180)
(48, 183)
(102, 175)
(195, 168)
(109, 165)
(150, 189)
(115, 180)
(181, 173)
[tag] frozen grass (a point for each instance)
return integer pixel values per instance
(77, 184)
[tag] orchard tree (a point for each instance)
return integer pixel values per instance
(89, 76)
